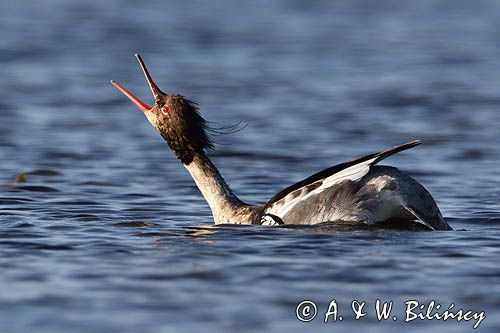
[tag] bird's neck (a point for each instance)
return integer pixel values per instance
(225, 205)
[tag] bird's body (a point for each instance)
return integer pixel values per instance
(355, 191)
(384, 194)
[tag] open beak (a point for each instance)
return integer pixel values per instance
(154, 88)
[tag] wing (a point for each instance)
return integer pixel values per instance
(353, 170)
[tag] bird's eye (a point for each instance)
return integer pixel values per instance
(165, 109)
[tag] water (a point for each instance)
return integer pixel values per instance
(109, 232)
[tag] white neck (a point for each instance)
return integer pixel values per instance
(225, 206)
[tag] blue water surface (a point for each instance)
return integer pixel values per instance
(109, 232)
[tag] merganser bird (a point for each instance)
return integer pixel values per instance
(354, 191)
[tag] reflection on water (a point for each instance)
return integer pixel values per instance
(108, 232)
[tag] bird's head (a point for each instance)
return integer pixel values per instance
(175, 117)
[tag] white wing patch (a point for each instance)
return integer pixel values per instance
(281, 207)
(267, 220)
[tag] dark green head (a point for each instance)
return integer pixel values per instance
(176, 118)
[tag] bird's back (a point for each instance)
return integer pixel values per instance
(384, 194)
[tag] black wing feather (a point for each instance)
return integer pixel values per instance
(339, 167)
